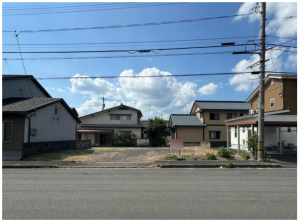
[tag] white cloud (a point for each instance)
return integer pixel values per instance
(163, 94)
(247, 82)
(60, 90)
(291, 60)
(280, 27)
(209, 89)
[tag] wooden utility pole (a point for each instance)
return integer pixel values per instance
(261, 114)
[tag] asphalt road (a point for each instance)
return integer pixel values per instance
(149, 194)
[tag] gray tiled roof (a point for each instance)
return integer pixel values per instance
(186, 120)
(26, 104)
(224, 105)
(85, 125)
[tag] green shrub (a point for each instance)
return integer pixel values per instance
(211, 156)
(252, 142)
(124, 139)
(245, 155)
(170, 157)
(223, 152)
(229, 165)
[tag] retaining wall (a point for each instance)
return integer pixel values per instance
(29, 149)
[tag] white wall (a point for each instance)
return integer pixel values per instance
(104, 117)
(53, 127)
(19, 88)
(271, 138)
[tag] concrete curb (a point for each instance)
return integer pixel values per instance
(218, 166)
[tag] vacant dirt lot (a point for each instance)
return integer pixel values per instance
(128, 154)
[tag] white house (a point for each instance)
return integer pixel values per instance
(100, 127)
(38, 119)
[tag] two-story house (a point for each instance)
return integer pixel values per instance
(205, 123)
(30, 114)
(280, 115)
(100, 127)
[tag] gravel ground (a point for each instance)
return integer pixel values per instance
(128, 154)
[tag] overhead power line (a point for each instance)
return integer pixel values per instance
(69, 6)
(149, 76)
(126, 56)
(289, 17)
(135, 42)
(132, 50)
(89, 10)
(131, 25)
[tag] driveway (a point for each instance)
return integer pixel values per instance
(285, 159)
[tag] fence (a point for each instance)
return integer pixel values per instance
(29, 149)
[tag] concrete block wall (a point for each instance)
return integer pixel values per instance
(30, 149)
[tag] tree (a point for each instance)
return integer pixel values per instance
(252, 142)
(124, 139)
(158, 131)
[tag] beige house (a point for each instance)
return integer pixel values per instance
(100, 127)
(208, 118)
(280, 116)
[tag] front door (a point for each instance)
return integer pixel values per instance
(102, 139)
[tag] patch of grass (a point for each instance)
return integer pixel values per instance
(61, 155)
(245, 155)
(223, 152)
(186, 156)
(229, 165)
(211, 156)
(170, 157)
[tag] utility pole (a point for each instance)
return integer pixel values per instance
(103, 102)
(261, 114)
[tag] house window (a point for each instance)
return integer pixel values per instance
(289, 129)
(214, 134)
(272, 102)
(231, 115)
(214, 116)
(241, 114)
(257, 106)
(120, 117)
(115, 117)
(7, 131)
(55, 109)
(201, 115)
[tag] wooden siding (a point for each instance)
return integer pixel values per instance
(290, 95)
(190, 134)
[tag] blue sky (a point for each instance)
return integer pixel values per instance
(166, 95)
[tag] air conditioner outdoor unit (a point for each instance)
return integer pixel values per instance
(251, 112)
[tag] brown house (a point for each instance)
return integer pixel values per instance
(205, 123)
(187, 127)
(213, 114)
(280, 94)
(280, 116)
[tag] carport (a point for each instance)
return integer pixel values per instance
(279, 129)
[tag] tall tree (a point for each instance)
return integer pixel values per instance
(158, 131)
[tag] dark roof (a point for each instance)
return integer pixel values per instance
(116, 107)
(26, 105)
(185, 120)
(86, 125)
(31, 77)
(222, 105)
